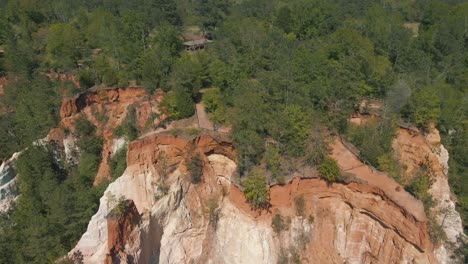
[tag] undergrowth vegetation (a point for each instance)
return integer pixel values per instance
(118, 162)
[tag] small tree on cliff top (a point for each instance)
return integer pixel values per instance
(329, 170)
(255, 190)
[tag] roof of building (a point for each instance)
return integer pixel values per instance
(197, 42)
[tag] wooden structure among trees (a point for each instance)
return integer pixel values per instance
(196, 44)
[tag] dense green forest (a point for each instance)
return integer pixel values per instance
(291, 71)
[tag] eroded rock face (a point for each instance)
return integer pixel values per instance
(352, 223)
(210, 222)
(121, 221)
(106, 109)
(413, 149)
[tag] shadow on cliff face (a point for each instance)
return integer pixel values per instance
(122, 221)
(151, 242)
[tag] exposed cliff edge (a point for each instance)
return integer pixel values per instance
(164, 218)
(413, 149)
(210, 222)
(106, 109)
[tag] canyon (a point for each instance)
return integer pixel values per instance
(365, 220)
(153, 213)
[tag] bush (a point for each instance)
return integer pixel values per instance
(277, 223)
(273, 160)
(128, 127)
(436, 231)
(299, 204)
(184, 103)
(120, 209)
(213, 210)
(86, 78)
(118, 163)
(162, 188)
(329, 170)
(419, 187)
(87, 141)
(88, 166)
(423, 106)
(194, 166)
(256, 191)
(391, 165)
(177, 104)
(213, 101)
(90, 147)
(317, 150)
(373, 139)
(460, 254)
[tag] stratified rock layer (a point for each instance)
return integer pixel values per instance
(106, 109)
(413, 149)
(210, 222)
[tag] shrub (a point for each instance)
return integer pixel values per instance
(88, 166)
(193, 132)
(194, 166)
(120, 209)
(391, 165)
(128, 127)
(162, 189)
(317, 149)
(423, 106)
(460, 253)
(255, 190)
(213, 210)
(420, 184)
(213, 101)
(329, 170)
(273, 160)
(86, 78)
(373, 139)
(87, 141)
(183, 103)
(299, 204)
(277, 223)
(118, 163)
(90, 147)
(436, 231)
(175, 132)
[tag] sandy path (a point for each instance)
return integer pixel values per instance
(349, 163)
(203, 119)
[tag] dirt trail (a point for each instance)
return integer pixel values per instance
(204, 121)
(351, 164)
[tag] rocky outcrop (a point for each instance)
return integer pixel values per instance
(106, 109)
(415, 148)
(8, 188)
(351, 223)
(210, 222)
(121, 221)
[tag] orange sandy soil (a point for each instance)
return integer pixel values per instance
(282, 196)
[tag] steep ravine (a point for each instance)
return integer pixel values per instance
(357, 222)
